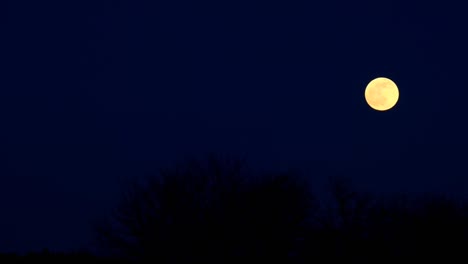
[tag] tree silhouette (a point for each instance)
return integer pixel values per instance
(438, 226)
(216, 210)
(356, 226)
(220, 210)
(340, 231)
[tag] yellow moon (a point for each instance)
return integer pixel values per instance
(381, 94)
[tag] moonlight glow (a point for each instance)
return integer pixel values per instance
(381, 94)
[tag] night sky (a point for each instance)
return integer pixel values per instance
(93, 92)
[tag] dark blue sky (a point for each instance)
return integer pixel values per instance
(96, 91)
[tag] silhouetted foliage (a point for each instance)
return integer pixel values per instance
(219, 210)
(213, 211)
(365, 228)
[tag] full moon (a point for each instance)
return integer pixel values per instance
(381, 94)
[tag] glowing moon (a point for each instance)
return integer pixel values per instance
(381, 94)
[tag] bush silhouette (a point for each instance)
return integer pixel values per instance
(220, 210)
(355, 226)
(210, 211)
